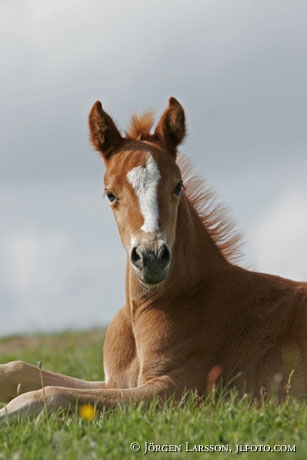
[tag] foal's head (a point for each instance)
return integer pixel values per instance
(143, 185)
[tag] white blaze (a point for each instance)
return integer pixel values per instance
(144, 179)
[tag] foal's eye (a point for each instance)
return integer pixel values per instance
(177, 189)
(111, 197)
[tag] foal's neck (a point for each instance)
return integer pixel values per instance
(195, 258)
(195, 255)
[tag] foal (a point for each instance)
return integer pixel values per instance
(191, 316)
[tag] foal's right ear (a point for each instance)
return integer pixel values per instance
(105, 136)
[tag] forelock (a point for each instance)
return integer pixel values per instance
(140, 126)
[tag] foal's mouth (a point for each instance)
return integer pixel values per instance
(149, 280)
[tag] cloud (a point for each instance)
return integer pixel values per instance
(238, 69)
(280, 239)
(55, 284)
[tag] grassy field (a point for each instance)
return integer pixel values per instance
(192, 429)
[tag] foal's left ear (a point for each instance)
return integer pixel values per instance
(105, 136)
(171, 128)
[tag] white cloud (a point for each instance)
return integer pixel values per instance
(280, 239)
(54, 284)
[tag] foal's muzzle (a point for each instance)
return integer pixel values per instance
(151, 262)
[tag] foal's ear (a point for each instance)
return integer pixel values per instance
(171, 128)
(105, 136)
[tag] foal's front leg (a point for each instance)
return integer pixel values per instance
(18, 377)
(52, 398)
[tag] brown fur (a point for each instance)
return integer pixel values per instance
(192, 318)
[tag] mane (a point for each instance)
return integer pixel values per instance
(214, 216)
(140, 126)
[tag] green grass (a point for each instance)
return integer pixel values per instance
(222, 422)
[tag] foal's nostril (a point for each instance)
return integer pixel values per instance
(135, 258)
(164, 256)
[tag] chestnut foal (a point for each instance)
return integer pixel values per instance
(191, 315)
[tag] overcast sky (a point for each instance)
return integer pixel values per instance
(239, 68)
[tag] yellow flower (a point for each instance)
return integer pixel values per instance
(87, 412)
